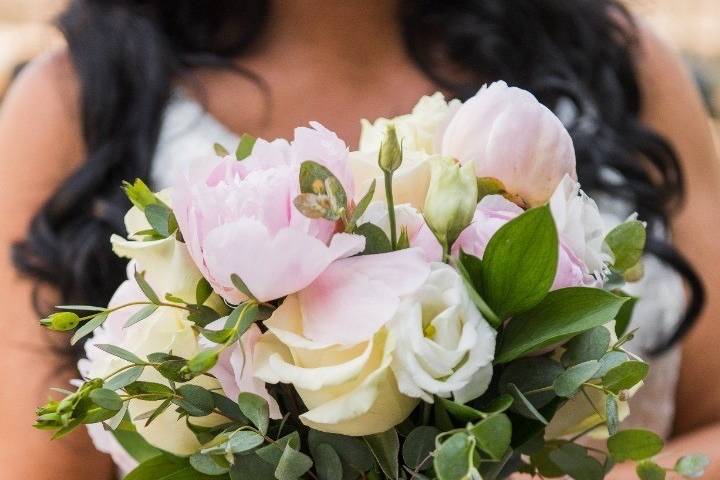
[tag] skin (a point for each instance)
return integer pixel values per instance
(41, 141)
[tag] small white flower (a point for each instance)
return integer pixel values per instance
(445, 346)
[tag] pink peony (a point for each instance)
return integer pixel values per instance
(238, 217)
(493, 212)
(508, 135)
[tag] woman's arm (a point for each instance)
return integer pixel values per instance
(673, 107)
(40, 142)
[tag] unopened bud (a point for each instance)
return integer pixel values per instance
(390, 157)
(61, 321)
(451, 199)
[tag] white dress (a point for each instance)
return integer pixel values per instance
(188, 132)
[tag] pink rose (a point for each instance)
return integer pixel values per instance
(493, 212)
(508, 135)
(238, 217)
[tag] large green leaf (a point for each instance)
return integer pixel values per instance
(519, 263)
(560, 316)
(493, 435)
(626, 241)
(454, 459)
(634, 445)
(165, 467)
(385, 447)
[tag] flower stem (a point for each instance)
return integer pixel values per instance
(391, 208)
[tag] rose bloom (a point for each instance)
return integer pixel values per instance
(494, 211)
(238, 217)
(445, 346)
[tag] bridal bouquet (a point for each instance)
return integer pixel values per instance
(444, 303)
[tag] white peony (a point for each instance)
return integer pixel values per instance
(445, 346)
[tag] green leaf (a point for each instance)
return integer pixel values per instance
(202, 315)
(634, 445)
(203, 361)
(165, 467)
(462, 412)
(245, 147)
(119, 352)
(204, 463)
(609, 361)
(417, 447)
(154, 391)
(590, 345)
(124, 378)
(146, 288)
(139, 194)
(196, 401)
(136, 445)
(385, 447)
(228, 407)
(519, 263)
(354, 454)
(376, 241)
(240, 285)
(272, 453)
(293, 464)
(81, 308)
(611, 414)
(141, 315)
(499, 404)
(243, 440)
(493, 435)
(157, 412)
(624, 316)
(625, 376)
(256, 409)
(454, 459)
(88, 327)
(560, 316)
(648, 470)
(251, 467)
(473, 268)
(217, 336)
(313, 178)
(534, 378)
(528, 405)
(107, 399)
(174, 370)
(626, 242)
(203, 290)
(693, 465)
(570, 381)
(362, 205)
(161, 218)
(327, 463)
(574, 461)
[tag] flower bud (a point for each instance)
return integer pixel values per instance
(451, 199)
(61, 321)
(390, 157)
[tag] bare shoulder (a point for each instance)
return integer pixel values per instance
(40, 135)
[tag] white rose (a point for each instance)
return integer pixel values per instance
(420, 133)
(445, 346)
(348, 389)
(580, 225)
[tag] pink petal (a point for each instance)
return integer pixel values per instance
(356, 296)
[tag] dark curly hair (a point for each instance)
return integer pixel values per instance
(127, 54)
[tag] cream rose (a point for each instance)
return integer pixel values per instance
(445, 346)
(420, 133)
(348, 389)
(169, 269)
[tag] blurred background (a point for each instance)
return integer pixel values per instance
(691, 26)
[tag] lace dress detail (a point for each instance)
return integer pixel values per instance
(189, 131)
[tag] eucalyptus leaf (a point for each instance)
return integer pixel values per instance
(534, 378)
(609, 361)
(611, 414)
(240, 285)
(161, 219)
(418, 446)
(454, 459)
(570, 381)
(528, 405)
(146, 288)
(692, 466)
(462, 412)
(574, 461)
(205, 463)
(107, 399)
(88, 327)
(385, 447)
(328, 465)
(519, 263)
(292, 465)
(648, 470)
(626, 242)
(256, 409)
(124, 378)
(493, 435)
(251, 467)
(590, 345)
(563, 314)
(243, 440)
(120, 353)
(354, 453)
(271, 453)
(625, 376)
(196, 400)
(141, 315)
(634, 445)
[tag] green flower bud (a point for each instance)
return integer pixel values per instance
(390, 157)
(202, 362)
(451, 199)
(61, 321)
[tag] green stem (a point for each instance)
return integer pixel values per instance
(391, 208)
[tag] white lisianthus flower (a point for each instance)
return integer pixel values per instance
(580, 224)
(420, 133)
(445, 346)
(169, 269)
(348, 389)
